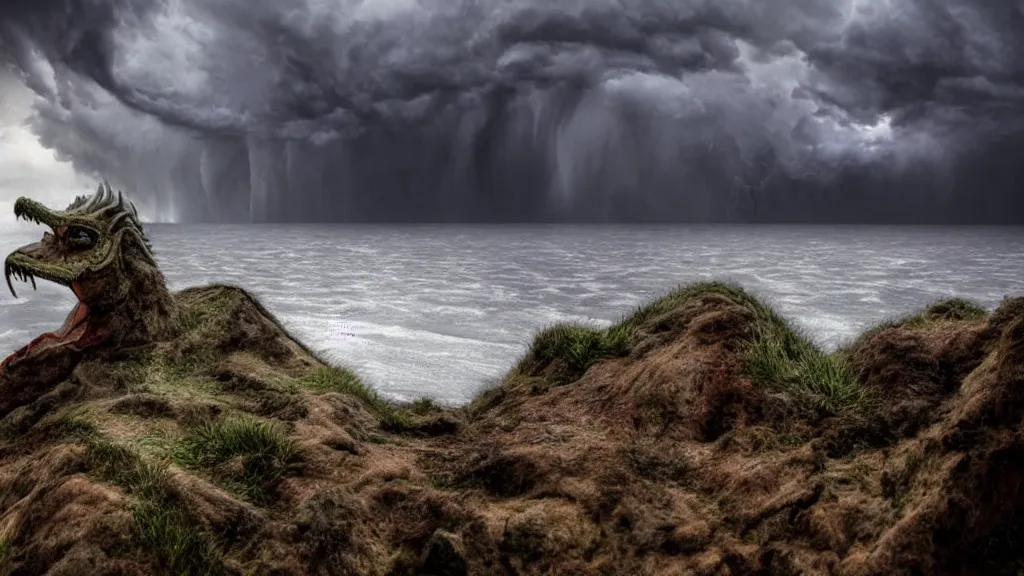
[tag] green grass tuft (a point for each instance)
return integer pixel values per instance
(71, 425)
(163, 525)
(123, 466)
(954, 310)
(683, 294)
(779, 358)
(577, 345)
(248, 454)
(171, 532)
(777, 355)
(951, 310)
(580, 346)
(327, 378)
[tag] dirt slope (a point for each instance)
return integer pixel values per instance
(700, 435)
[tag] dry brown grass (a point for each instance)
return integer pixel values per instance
(699, 435)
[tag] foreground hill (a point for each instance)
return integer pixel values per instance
(700, 435)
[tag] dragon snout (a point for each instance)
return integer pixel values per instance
(28, 209)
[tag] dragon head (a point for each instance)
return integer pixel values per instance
(97, 248)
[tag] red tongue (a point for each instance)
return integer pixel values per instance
(73, 330)
(74, 321)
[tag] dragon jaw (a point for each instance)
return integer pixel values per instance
(81, 251)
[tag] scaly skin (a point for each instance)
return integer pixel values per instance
(96, 247)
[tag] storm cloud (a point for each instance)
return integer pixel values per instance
(25, 166)
(527, 110)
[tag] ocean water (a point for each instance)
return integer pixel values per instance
(440, 311)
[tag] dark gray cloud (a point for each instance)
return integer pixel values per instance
(24, 164)
(868, 110)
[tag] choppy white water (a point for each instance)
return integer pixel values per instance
(438, 311)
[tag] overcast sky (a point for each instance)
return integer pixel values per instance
(26, 168)
(523, 110)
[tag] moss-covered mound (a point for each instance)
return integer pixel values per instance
(702, 434)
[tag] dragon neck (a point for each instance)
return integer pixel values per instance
(144, 313)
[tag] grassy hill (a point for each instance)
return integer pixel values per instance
(701, 434)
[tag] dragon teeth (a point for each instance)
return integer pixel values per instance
(19, 273)
(27, 218)
(7, 276)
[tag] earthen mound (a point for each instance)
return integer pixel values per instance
(702, 434)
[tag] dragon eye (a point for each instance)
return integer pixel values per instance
(80, 237)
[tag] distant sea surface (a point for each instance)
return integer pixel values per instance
(441, 310)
